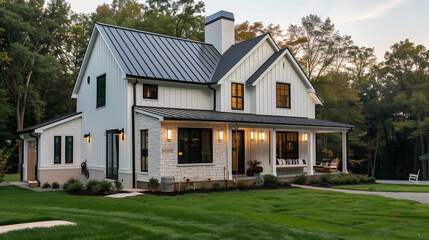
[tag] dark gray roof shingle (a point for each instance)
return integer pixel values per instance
(265, 66)
(215, 116)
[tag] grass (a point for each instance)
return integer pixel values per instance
(385, 187)
(12, 178)
(276, 214)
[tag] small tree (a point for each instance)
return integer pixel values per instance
(4, 155)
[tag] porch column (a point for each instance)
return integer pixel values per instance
(344, 143)
(273, 153)
(312, 152)
(229, 152)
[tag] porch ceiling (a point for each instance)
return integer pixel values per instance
(215, 116)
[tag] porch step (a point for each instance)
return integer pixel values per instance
(33, 184)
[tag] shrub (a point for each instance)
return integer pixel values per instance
(118, 185)
(4, 156)
(315, 180)
(300, 179)
(362, 178)
(46, 185)
(270, 179)
(371, 179)
(355, 179)
(253, 167)
(153, 184)
(241, 185)
(259, 181)
(74, 187)
(215, 186)
(102, 188)
(327, 177)
(69, 181)
(91, 184)
(249, 172)
(336, 180)
(55, 185)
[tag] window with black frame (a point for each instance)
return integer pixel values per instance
(57, 149)
(237, 96)
(101, 91)
(112, 154)
(195, 145)
(69, 149)
(287, 145)
(150, 91)
(283, 95)
(144, 140)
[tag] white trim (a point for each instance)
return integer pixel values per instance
(160, 118)
(268, 69)
(54, 124)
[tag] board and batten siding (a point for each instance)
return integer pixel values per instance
(114, 115)
(265, 92)
(241, 74)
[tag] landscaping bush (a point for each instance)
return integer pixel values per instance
(102, 188)
(215, 186)
(253, 167)
(300, 179)
(4, 156)
(327, 177)
(74, 187)
(249, 172)
(270, 179)
(118, 185)
(355, 179)
(69, 181)
(315, 180)
(55, 185)
(46, 185)
(153, 184)
(371, 179)
(241, 185)
(362, 178)
(259, 181)
(91, 184)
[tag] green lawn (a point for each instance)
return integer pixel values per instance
(277, 214)
(12, 178)
(384, 187)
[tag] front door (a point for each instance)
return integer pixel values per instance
(238, 152)
(112, 151)
(31, 160)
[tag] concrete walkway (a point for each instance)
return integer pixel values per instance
(403, 182)
(418, 197)
(21, 226)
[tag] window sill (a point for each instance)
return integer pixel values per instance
(194, 164)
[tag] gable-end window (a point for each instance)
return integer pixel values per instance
(150, 91)
(69, 149)
(195, 145)
(144, 140)
(283, 95)
(101, 91)
(237, 96)
(57, 149)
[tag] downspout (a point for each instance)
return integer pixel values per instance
(133, 134)
(22, 157)
(214, 96)
(37, 157)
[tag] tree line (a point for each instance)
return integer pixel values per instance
(42, 46)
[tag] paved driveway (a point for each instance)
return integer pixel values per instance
(418, 197)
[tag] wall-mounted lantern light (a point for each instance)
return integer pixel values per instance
(169, 134)
(262, 136)
(120, 132)
(305, 137)
(220, 135)
(251, 136)
(87, 137)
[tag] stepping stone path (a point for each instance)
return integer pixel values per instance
(21, 226)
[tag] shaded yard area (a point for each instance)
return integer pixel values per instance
(263, 214)
(385, 187)
(12, 178)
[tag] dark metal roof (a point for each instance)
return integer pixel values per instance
(265, 66)
(219, 15)
(215, 116)
(150, 55)
(34, 127)
(233, 55)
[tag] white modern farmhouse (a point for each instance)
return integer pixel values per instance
(150, 105)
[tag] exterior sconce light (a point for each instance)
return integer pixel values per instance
(252, 136)
(169, 134)
(305, 137)
(220, 135)
(120, 132)
(87, 137)
(262, 136)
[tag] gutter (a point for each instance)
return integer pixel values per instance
(37, 158)
(22, 157)
(133, 133)
(214, 96)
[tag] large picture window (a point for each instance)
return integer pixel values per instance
(283, 95)
(112, 154)
(150, 91)
(237, 96)
(144, 150)
(57, 149)
(69, 149)
(101, 91)
(287, 145)
(195, 145)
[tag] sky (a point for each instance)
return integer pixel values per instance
(371, 23)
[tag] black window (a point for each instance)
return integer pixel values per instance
(112, 154)
(283, 95)
(101, 91)
(150, 91)
(57, 149)
(287, 145)
(195, 145)
(69, 149)
(237, 96)
(144, 150)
